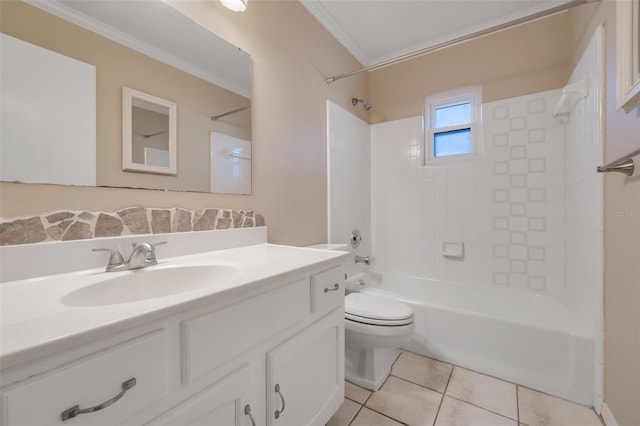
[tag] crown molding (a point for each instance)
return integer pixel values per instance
(324, 17)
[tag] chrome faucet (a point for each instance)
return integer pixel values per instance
(363, 259)
(143, 255)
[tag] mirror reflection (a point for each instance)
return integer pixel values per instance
(158, 51)
(230, 164)
(149, 133)
(148, 145)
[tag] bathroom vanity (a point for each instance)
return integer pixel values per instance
(251, 335)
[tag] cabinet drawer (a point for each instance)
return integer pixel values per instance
(211, 339)
(327, 289)
(92, 381)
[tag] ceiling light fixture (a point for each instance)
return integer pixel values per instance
(235, 5)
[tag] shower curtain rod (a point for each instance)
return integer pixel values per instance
(464, 38)
(233, 111)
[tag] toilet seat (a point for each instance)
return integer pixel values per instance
(376, 310)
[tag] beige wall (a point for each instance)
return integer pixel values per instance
(526, 59)
(622, 233)
(291, 54)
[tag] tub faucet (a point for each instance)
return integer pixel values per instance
(363, 259)
(143, 255)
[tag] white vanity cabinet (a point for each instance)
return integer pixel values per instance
(214, 364)
(224, 402)
(305, 374)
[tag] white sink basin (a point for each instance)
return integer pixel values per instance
(145, 284)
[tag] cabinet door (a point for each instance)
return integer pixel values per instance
(222, 403)
(308, 371)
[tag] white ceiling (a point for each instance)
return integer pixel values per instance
(150, 27)
(377, 30)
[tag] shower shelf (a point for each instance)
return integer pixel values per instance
(579, 88)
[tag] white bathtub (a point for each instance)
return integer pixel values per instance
(533, 340)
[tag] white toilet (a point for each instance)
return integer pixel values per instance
(375, 327)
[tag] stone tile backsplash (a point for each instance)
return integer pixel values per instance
(79, 225)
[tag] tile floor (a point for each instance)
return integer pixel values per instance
(423, 391)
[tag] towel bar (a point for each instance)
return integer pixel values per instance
(622, 165)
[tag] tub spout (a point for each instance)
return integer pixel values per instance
(363, 259)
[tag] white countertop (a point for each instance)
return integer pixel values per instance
(34, 322)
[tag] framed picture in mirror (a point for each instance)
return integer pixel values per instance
(149, 133)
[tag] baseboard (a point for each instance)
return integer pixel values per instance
(607, 416)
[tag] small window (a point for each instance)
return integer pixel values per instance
(451, 120)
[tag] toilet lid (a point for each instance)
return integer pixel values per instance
(378, 310)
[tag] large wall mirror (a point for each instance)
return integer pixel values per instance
(152, 49)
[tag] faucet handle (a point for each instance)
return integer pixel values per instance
(154, 245)
(115, 259)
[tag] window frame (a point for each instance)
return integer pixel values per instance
(468, 94)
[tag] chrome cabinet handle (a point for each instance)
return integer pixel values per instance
(336, 287)
(247, 412)
(278, 412)
(75, 410)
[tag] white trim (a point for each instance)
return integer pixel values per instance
(628, 75)
(471, 94)
(328, 21)
(69, 14)
(607, 416)
(330, 106)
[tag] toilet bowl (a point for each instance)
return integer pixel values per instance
(375, 327)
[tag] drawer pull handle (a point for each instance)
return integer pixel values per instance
(247, 412)
(75, 410)
(278, 412)
(336, 287)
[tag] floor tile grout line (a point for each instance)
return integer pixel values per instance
(353, 400)
(518, 403)
(444, 393)
(384, 383)
(423, 356)
(550, 395)
(417, 384)
(386, 415)
(356, 415)
(482, 408)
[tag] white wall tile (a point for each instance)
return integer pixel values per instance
(515, 203)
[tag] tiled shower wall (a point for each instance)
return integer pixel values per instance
(585, 204)
(584, 188)
(349, 171)
(507, 206)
